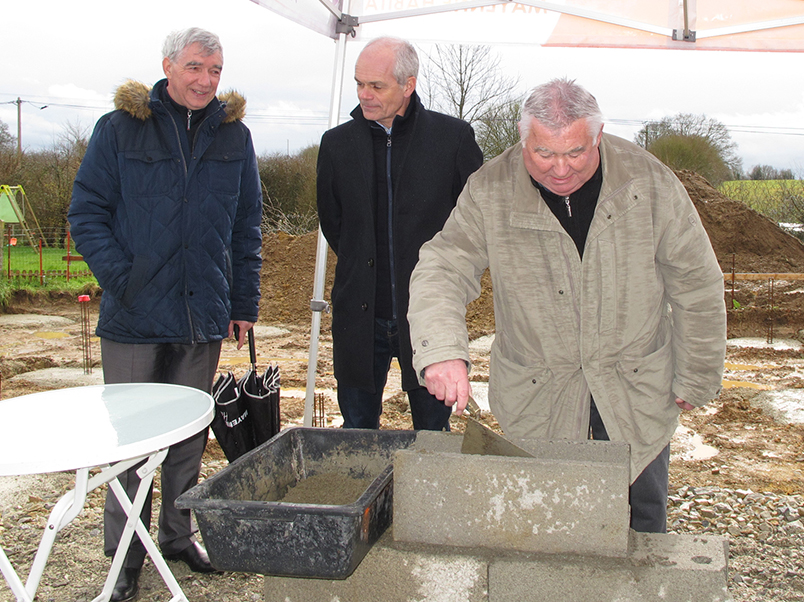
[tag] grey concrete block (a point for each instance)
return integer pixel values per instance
(389, 573)
(605, 452)
(436, 441)
(660, 567)
(525, 504)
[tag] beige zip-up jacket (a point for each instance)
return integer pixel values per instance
(640, 321)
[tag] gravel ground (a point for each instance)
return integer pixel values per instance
(766, 537)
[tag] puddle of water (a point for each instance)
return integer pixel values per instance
(731, 384)
(700, 451)
(232, 361)
(756, 342)
(51, 335)
(730, 366)
(693, 445)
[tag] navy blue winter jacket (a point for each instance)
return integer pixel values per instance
(174, 243)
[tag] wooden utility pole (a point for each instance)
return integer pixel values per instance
(19, 102)
(19, 125)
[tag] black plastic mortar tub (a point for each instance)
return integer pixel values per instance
(245, 529)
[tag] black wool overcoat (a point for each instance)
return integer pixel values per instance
(439, 155)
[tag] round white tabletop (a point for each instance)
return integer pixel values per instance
(82, 427)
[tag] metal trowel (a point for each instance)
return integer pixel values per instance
(480, 440)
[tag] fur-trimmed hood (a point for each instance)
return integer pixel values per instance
(134, 98)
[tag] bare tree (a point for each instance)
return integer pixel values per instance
(7, 141)
(497, 129)
(766, 172)
(464, 81)
(64, 161)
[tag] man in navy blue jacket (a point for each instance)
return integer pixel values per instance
(387, 181)
(166, 210)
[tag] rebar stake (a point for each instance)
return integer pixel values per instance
(86, 345)
(319, 419)
(733, 270)
(771, 312)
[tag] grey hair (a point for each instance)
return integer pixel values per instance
(407, 60)
(177, 41)
(557, 105)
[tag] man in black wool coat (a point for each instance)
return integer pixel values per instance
(387, 181)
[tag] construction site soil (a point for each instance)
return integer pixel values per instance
(752, 447)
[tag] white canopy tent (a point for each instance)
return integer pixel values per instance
(769, 26)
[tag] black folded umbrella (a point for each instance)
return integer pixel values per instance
(231, 425)
(246, 410)
(262, 397)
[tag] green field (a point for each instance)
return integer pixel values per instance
(779, 200)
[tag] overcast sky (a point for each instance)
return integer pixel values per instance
(71, 56)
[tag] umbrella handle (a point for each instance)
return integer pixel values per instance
(252, 351)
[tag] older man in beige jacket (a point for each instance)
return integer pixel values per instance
(608, 298)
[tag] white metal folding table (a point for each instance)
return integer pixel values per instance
(109, 426)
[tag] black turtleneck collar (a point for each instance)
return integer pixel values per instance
(575, 212)
(591, 186)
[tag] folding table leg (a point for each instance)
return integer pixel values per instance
(134, 524)
(71, 504)
(13, 580)
(65, 510)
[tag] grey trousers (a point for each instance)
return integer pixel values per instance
(647, 495)
(189, 365)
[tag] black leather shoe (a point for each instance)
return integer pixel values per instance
(126, 587)
(194, 557)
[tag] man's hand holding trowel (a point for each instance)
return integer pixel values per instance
(449, 382)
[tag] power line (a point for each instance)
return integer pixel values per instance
(308, 118)
(78, 103)
(305, 119)
(744, 129)
(107, 107)
(759, 129)
(321, 118)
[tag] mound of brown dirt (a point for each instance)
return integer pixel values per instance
(739, 236)
(288, 275)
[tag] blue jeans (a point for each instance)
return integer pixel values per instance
(648, 494)
(362, 409)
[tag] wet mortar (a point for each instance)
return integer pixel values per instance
(329, 489)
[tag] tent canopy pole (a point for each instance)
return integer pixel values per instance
(318, 304)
